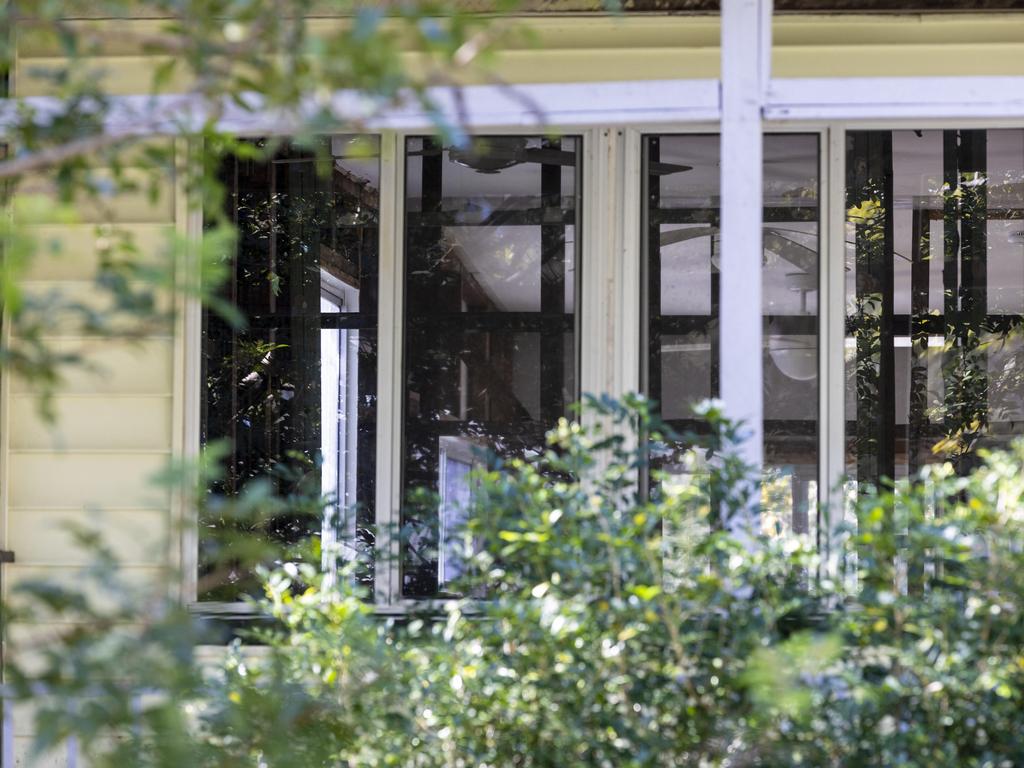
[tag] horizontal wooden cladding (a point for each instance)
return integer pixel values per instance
(64, 303)
(72, 251)
(595, 48)
(131, 587)
(542, 33)
(28, 644)
(115, 480)
(515, 32)
(122, 422)
(45, 538)
(114, 74)
(905, 61)
(112, 367)
(130, 206)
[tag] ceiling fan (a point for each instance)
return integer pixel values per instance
(775, 241)
(491, 154)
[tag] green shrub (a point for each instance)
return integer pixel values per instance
(601, 626)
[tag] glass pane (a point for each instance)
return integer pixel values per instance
(490, 343)
(293, 393)
(682, 293)
(934, 297)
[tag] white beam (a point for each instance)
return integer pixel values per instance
(746, 28)
(650, 103)
(892, 98)
(654, 102)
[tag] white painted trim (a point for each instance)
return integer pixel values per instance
(596, 253)
(479, 106)
(628, 271)
(765, 11)
(387, 504)
(654, 103)
(888, 98)
(740, 302)
(186, 402)
(832, 463)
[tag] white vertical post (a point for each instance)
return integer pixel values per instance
(746, 49)
(387, 584)
(188, 365)
(595, 303)
(832, 346)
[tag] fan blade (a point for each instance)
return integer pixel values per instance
(547, 156)
(666, 169)
(800, 256)
(682, 235)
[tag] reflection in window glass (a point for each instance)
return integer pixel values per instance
(682, 292)
(934, 298)
(293, 393)
(490, 343)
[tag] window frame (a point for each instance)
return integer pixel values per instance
(611, 118)
(587, 217)
(610, 309)
(591, 314)
(831, 217)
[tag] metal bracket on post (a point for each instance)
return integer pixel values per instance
(746, 54)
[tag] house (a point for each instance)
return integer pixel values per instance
(852, 285)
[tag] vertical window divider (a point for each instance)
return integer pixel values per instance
(610, 256)
(188, 365)
(832, 302)
(601, 235)
(387, 576)
(629, 333)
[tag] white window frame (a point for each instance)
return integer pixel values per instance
(462, 450)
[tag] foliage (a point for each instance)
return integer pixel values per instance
(599, 626)
(612, 613)
(75, 156)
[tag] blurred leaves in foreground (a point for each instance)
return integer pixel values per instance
(600, 626)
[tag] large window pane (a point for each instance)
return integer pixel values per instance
(490, 343)
(293, 393)
(934, 297)
(682, 214)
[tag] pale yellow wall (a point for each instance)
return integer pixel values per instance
(590, 47)
(114, 423)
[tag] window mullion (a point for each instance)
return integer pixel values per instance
(627, 267)
(389, 374)
(833, 336)
(598, 312)
(188, 334)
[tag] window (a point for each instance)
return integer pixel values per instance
(681, 293)
(491, 250)
(934, 298)
(293, 392)
(922, 304)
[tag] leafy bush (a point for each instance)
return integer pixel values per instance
(601, 626)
